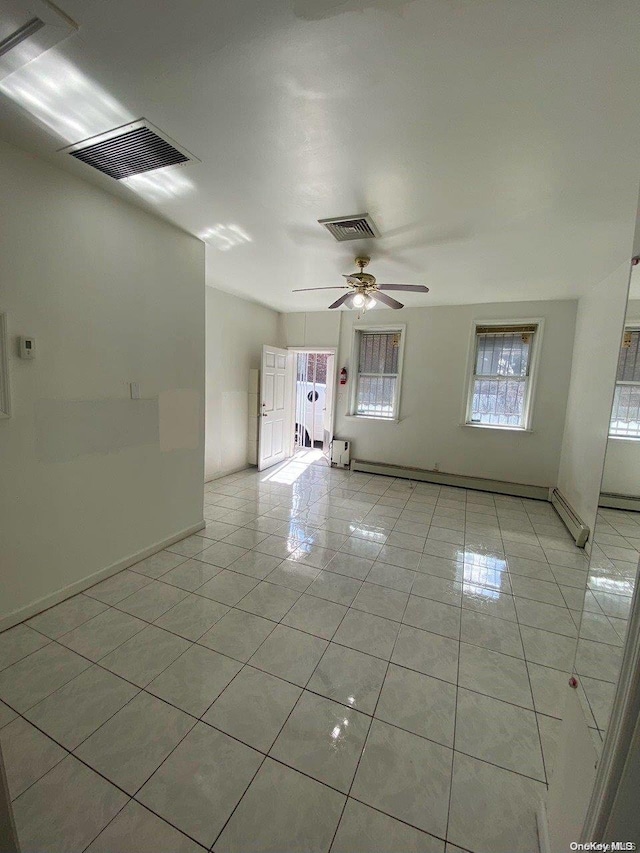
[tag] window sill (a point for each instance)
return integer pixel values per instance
(374, 418)
(498, 428)
(623, 438)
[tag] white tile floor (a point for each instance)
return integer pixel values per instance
(337, 662)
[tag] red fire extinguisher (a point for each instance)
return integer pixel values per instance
(343, 376)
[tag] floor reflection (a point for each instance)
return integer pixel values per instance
(610, 585)
(358, 630)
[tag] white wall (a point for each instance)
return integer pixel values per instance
(622, 467)
(433, 391)
(312, 329)
(112, 295)
(599, 325)
(235, 332)
(622, 462)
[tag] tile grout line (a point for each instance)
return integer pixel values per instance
(366, 739)
(260, 580)
(455, 724)
(537, 722)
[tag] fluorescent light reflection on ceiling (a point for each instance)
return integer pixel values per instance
(60, 96)
(161, 184)
(225, 237)
(57, 94)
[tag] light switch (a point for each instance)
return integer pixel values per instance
(27, 347)
(135, 390)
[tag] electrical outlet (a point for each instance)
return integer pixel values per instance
(134, 388)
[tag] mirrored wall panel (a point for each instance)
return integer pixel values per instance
(613, 569)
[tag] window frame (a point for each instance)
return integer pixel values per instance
(532, 378)
(629, 326)
(396, 328)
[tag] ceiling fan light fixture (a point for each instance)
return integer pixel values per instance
(365, 293)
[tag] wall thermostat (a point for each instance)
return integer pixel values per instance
(27, 347)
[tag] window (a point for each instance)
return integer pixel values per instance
(625, 415)
(378, 355)
(501, 381)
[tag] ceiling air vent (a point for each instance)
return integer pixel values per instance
(358, 227)
(129, 150)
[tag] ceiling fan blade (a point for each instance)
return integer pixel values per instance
(386, 300)
(341, 300)
(303, 289)
(414, 288)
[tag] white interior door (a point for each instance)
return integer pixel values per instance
(275, 406)
(327, 435)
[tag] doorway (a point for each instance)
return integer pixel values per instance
(313, 400)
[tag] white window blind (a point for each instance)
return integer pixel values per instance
(378, 374)
(499, 390)
(625, 415)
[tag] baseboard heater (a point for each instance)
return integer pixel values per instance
(440, 478)
(611, 500)
(572, 521)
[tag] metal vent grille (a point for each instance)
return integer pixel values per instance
(130, 153)
(358, 227)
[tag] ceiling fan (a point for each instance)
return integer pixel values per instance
(364, 292)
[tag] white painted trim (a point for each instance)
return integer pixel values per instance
(543, 828)
(331, 350)
(374, 418)
(5, 388)
(532, 379)
(479, 484)
(622, 723)
(47, 601)
(499, 428)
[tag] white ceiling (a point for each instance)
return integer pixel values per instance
(494, 142)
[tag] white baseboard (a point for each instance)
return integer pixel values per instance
(211, 478)
(611, 500)
(481, 484)
(47, 601)
(543, 828)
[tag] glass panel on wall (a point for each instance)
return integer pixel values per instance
(615, 552)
